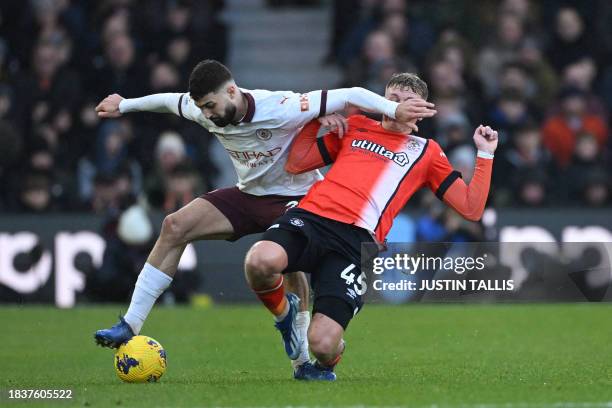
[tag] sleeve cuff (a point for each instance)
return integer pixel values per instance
(323, 105)
(180, 106)
(485, 155)
(123, 106)
(390, 108)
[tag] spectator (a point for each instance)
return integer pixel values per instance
(526, 154)
(170, 153)
(110, 193)
(121, 73)
(532, 189)
(560, 131)
(372, 16)
(531, 59)
(596, 192)
(450, 93)
(396, 26)
(494, 61)
(345, 14)
(508, 113)
(453, 49)
(46, 95)
(12, 147)
(111, 149)
(35, 195)
(110, 159)
(570, 42)
(586, 178)
(377, 62)
(504, 49)
(522, 9)
(182, 185)
(164, 78)
(454, 131)
(581, 74)
(445, 225)
(514, 78)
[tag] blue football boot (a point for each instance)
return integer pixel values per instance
(292, 337)
(314, 372)
(115, 336)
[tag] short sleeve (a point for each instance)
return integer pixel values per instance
(440, 174)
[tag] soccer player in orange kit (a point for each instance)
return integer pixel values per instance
(377, 167)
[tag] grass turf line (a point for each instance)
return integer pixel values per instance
(420, 355)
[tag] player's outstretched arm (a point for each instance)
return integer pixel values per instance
(372, 102)
(303, 108)
(115, 105)
(470, 200)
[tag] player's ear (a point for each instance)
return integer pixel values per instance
(231, 90)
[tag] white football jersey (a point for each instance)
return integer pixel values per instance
(259, 144)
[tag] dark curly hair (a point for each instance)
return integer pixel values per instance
(207, 77)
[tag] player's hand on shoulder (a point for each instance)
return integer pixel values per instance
(485, 139)
(109, 107)
(415, 108)
(335, 123)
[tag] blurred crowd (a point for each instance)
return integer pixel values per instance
(58, 59)
(538, 71)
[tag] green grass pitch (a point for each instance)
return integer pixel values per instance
(485, 356)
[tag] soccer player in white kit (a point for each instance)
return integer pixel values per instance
(256, 127)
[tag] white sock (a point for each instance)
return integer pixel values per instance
(150, 285)
(302, 322)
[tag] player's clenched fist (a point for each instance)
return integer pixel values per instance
(109, 107)
(485, 139)
(415, 108)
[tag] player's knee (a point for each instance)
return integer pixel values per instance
(261, 263)
(322, 345)
(173, 229)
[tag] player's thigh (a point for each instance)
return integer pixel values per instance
(200, 219)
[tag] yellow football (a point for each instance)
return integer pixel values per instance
(141, 359)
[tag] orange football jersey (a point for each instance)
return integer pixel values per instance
(375, 173)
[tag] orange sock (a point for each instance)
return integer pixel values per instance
(334, 361)
(274, 298)
(331, 363)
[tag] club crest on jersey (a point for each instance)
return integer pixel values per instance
(297, 222)
(400, 158)
(263, 134)
(413, 145)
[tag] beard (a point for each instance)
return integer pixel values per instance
(227, 118)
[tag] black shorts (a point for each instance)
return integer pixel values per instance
(331, 252)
